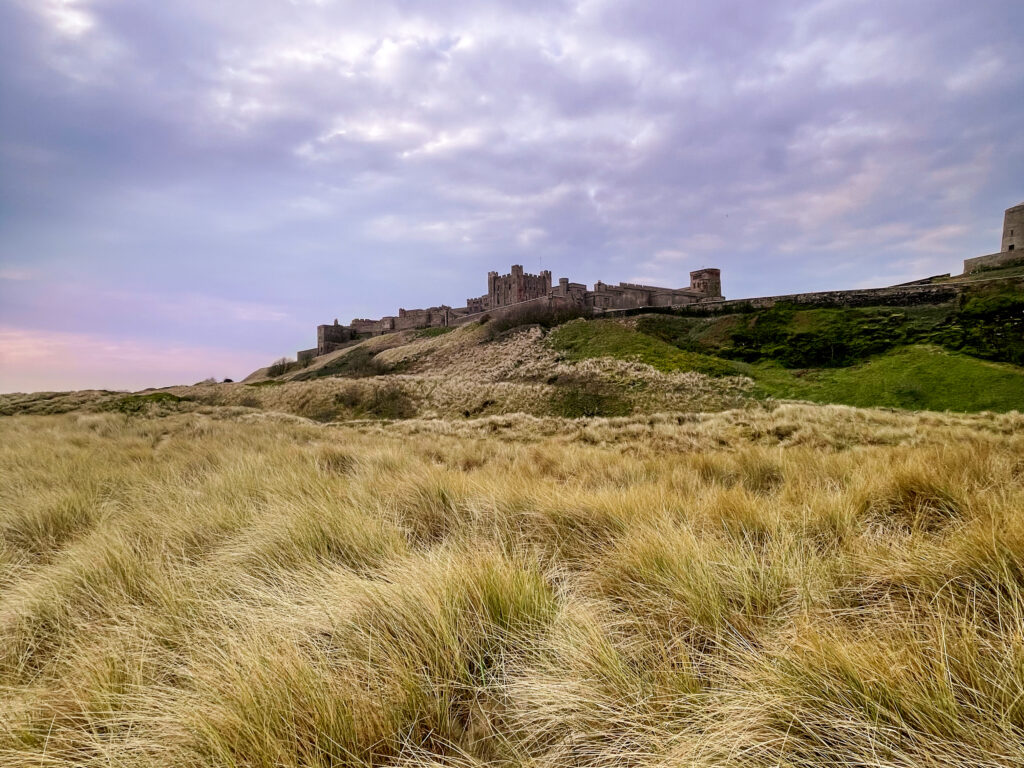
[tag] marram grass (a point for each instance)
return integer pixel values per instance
(800, 586)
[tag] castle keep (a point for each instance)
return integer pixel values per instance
(519, 291)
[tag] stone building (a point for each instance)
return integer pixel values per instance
(1011, 247)
(1013, 229)
(519, 291)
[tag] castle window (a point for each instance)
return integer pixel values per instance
(1011, 247)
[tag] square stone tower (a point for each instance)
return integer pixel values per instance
(1013, 229)
(516, 286)
(707, 281)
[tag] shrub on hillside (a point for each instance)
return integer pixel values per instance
(357, 363)
(280, 367)
(131, 405)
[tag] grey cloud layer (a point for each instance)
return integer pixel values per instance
(336, 158)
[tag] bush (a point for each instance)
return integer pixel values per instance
(134, 404)
(358, 363)
(280, 367)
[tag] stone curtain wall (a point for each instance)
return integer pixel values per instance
(330, 337)
(867, 297)
(993, 260)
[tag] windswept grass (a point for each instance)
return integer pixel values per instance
(798, 586)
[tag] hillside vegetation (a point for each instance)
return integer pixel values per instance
(987, 322)
(961, 356)
(795, 585)
(600, 542)
(964, 356)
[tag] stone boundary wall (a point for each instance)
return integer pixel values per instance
(895, 295)
(1003, 259)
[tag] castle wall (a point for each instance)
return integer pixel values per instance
(903, 295)
(331, 337)
(368, 327)
(676, 298)
(619, 296)
(993, 260)
(409, 319)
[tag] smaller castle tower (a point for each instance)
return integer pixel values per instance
(707, 281)
(1013, 229)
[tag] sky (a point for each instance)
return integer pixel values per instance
(188, 188)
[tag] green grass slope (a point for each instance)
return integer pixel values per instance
(916, 377)
(581, 339)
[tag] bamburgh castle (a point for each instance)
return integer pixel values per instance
(519, 291)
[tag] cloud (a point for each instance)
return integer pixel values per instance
(255, 168)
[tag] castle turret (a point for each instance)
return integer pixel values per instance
(1013, 229)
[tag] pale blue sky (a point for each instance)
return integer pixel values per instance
(188, 188)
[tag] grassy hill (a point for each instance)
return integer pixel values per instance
(913, 377)
(595, 542)
(961, 356)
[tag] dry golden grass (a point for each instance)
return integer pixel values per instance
(444, 377)
(797, 586)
